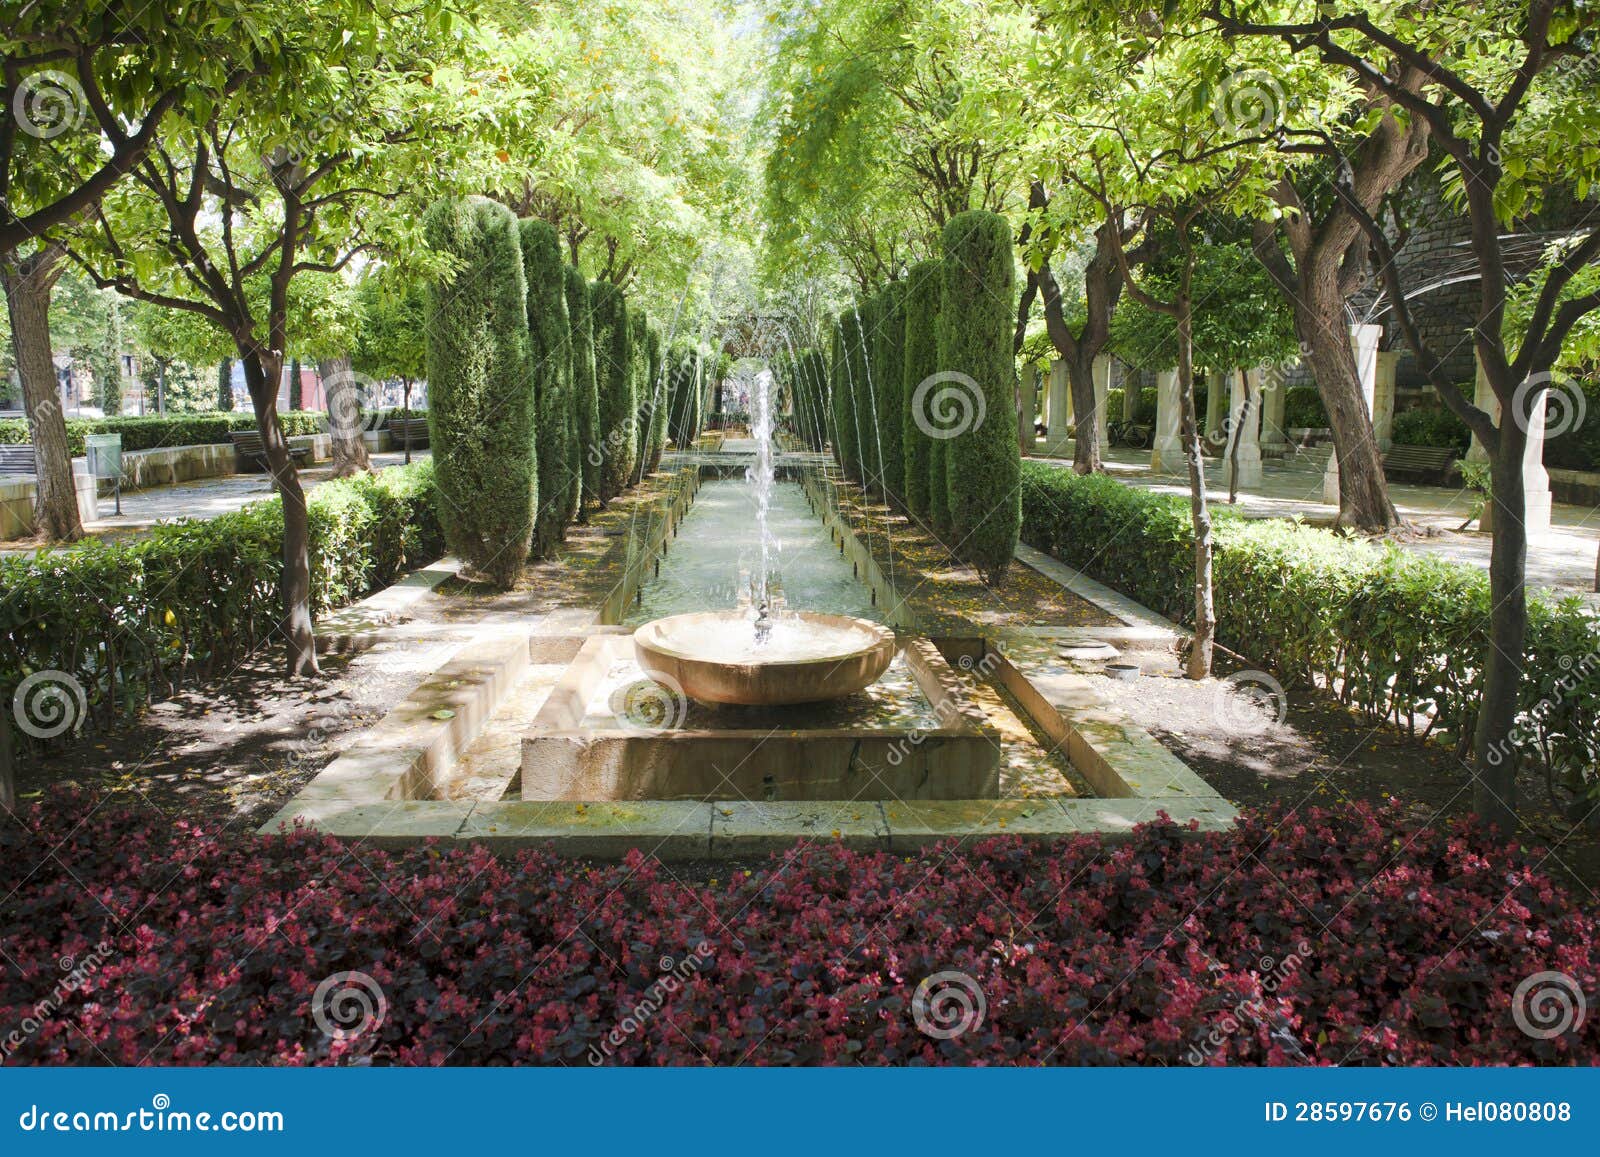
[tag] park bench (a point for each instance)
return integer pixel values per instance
(247, 446)
(18, 459)
(1429, 462)
(408, 431)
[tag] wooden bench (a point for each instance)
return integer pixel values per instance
(18, 458)
(247, 446)
(1430, 462)
(402, 429)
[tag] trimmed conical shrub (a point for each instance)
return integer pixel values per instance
(924, 284)
(550, 346)
(586, 401)
(846, 336)
(656, 398)
(639, 369)
(888, 370)
(869, 442)
(811, 398)
(614, 372)
(482, 406)
(973, 409)
(683, 388)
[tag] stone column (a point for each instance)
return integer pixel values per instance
(1364, 345)
(1130, 396)
(1027, 406)
(1274, 390)
(1101, 371)
(1535, 478)
(1244, 428)
(1058, 409)
(1482, 397)
(1216, 391)
(1166, 456)
(1383, 399)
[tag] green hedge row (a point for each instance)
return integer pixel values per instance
(133, 620)
(181, 430)
(1431, 426)
(1395, 635)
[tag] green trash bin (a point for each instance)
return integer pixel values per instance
(104, 452)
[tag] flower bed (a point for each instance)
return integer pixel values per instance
(1324, 938)
(1395, 635)
(132, 619)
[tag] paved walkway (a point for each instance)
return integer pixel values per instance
(1561, 560)
(204, 498)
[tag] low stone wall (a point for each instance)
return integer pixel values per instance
(1575, 487)
(17, 493)
(170, 465)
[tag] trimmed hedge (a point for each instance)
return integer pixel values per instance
(1341, 937)
(550, 352)
(846, 345)
(683, 395)
(976, 314)
(614, 377)
(1433, 426)
(1394, 635)
(134, 620)
(810, 384)
(888, 374)
(655, 400)
(483, 410)
(151, 433)
(924, 284)
(586, 398)
(1302, 409)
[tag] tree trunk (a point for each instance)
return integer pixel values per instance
(1086, 457)
(1363, 491)
(1494, 760)
(28, 285)
(1205, 619)
(1237, 433)
(225, 384)
(261, 374)
(346, 422)
(405, 405)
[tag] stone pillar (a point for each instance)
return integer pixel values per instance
(1244, 428)
(1274, 390)
(1364, 345)
(1535, 478)
(1166, 456)
(1130, 396)
(1483, 397)
(1216, 391)
(1101, 372)
(1027, 406)
(1383, 399)
(1058, 406)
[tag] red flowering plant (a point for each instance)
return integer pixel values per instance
(1322, 937)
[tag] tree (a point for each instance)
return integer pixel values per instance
(888, 372)
(1511, 119)
(614, 377)
(924, 284)
(972, 411)
(483, 408)
(656, 430)
(842, 379)
(550, 347)
(391, 339)
(586, 408)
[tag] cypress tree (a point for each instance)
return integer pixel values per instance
(639, 371)
(888, 369)
(983, 466)
(869, 441)
(550, 348)
(656, 444)
(683, 378)
(811, 398)
(613, 369)
(586, 401)
(921, 361)
(481, 400)
(225, 384)
(841, 382)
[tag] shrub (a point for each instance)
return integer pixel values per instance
(1396, 635)
(888, 375)
(925, 493)
(482, 406)
(655, 424)
(135, 619)
(976, 315)
(614, 377)
(586, 402)
(1302, 409)
(846, 342)
(1431, 426)
(1318, 938)
(810, 375)
(550, 350)
(683, 395)
(151, 433)
(869, 437)
(1577, 448)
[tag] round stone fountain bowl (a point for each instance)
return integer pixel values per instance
(713, 657)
